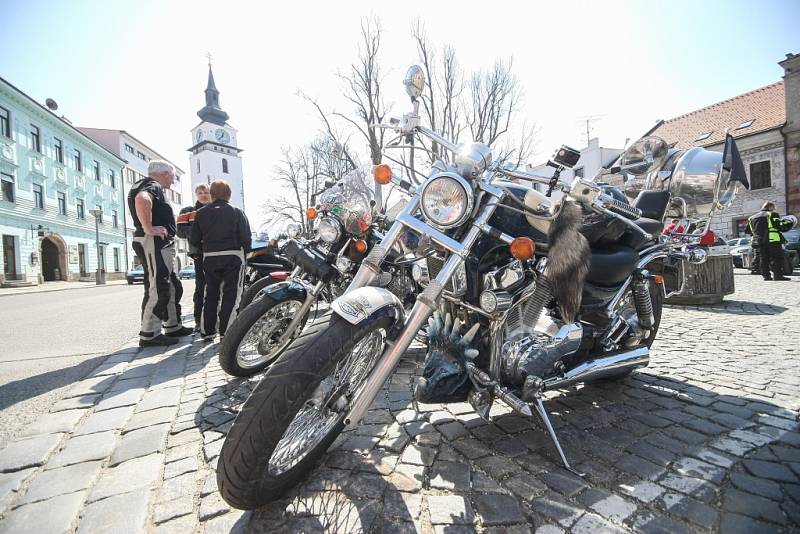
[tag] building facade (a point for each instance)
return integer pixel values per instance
(137, 156)
(214, 151)
(53, 178)
(791, 131)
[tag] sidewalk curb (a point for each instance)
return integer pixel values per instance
(87, 286)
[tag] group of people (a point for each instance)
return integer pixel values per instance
(219, 240)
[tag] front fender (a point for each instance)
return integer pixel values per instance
(367, 304)
(288, 290)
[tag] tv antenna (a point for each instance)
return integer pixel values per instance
(587, 122)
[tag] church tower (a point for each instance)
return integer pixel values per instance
(214, 151)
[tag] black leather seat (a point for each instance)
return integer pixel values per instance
(650, 226)
(612, 266)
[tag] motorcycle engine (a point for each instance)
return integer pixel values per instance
(539, 353)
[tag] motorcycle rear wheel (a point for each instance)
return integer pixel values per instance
(269, 449)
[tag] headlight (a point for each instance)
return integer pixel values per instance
(293, 230)
(329, 230)
(446, 200)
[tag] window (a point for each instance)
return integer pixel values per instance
(178, 198)
(58, 145)
(141, 155)
(131, 175)
(62, 203)
(703, 136)
(77, 158)
(97, 170)
(128, 148)
(745, 124)
(101, 257)
(36, 138)
(38, 196)
(579, 172)
(114, 220)
(81, 208)
(5, 123)
(116, 259)
(760, 175)
(198, 165)
(8, 187)
(100, 210)
(112, 179)
(225, 165)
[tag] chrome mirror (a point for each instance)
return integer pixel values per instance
(414, 82)
(644, 156)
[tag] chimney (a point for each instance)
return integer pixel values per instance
(791, 131)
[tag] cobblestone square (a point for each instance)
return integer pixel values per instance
(704, 439)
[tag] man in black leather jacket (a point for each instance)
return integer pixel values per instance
(185, 221)
(223, 232)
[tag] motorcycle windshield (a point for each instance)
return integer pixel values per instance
(696, 180)
(351, 200)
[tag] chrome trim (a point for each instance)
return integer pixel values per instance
(601, 368)
(434, 234)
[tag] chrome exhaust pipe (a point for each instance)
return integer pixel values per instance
(610, 365)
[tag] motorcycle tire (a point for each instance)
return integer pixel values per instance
(245, 477)
(253, 289)
(241, 332)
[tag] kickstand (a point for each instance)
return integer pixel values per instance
(546, 419)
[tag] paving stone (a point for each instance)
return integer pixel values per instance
(450, 476)
(757, 486)
(182, 525)
(181, 486)
(770, 470)
(407, 477)
(690, 510)
(28, 452)
(498, 509)
(164, 511)
(150, 418)
(712, 457)
(591, 524)
(231, 522)
(450, 509)
(11, 482)
(639, 466)
(732, 446)
(739, 524)
(497, 466)
(607, 504)
(61, 481)
(184, 465)
(650, 522)
(555, 507)
(418, 455)
(128, 476)
(367, 486)
(212, 505)
(54, 423)
(563, 482)
(525, 486)
(472, 448)
(408, 506)
(699, 489)
(75, 403)
(141, 442)
(79, 449)
(125, 397)
(54, 516)
(106, 516)
(105, 420)
(699, 469)
(752, 506)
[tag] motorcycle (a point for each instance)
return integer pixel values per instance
(266, 264)
(324, 266)
(523, 294)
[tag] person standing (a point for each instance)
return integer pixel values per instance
(223, 232)
(154, 245)
(766, 227)
(185, 221)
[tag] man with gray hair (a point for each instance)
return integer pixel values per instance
(154, 245)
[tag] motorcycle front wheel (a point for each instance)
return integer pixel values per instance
(256, 338)
(297, 410)
(251, 292)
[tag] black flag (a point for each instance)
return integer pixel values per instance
(732, 162)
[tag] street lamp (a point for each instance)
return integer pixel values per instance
(100, 274)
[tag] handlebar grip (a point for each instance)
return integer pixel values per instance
(620, 208)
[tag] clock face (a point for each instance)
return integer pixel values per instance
(199, 135)
(222, 136)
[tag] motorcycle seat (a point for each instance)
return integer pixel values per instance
(651, 226)
(268, 266)
(611, 266)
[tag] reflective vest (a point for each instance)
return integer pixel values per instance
(774, 233)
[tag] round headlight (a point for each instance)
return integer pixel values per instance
(446, 200)
(293, 230)
(329, 230)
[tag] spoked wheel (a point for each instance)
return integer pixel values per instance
(297, 410)
(259, 335)
(252, 291)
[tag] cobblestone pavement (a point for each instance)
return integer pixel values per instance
(706, 438)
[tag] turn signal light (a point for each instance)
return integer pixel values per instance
(658, 279)
(311, 214)
(382, 174)
(523, 248)
(360, 245)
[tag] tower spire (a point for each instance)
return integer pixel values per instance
(211, 112)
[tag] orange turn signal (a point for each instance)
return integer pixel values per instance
(658, 279)
(523, 248)
(360, 245)
(311, 214)
(382, 174)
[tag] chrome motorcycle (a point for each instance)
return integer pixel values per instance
(525, 293)
(325, 263)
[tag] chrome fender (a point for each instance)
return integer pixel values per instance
(368, 304)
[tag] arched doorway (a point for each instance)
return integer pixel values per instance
(54, 259)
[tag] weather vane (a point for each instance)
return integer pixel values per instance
(208, 56)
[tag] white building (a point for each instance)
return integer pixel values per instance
(137, 155)
(593, 157)
(214, 151)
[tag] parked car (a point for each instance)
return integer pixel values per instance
(738, 241)
(742, 246)
(187, 273)
(135, 275)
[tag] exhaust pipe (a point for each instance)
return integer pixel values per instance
(612, 364)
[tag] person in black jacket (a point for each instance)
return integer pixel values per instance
(223, 232)
(185, 222)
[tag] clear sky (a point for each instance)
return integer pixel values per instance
(140, 65)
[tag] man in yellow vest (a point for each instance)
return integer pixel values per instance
(766, 227)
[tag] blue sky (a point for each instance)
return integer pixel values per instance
(140, 66)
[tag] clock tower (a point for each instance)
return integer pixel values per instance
(215, 151)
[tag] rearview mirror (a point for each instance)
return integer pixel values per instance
(644, 156)
(414, 82)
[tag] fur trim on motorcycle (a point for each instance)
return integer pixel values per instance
(568, 261)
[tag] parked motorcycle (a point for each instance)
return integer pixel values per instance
(324, 266)
(266, 264)
(523, 295)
